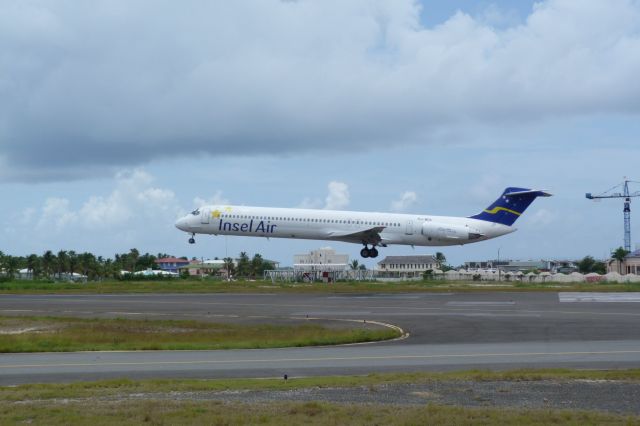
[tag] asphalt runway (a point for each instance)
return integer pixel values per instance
(446, 332)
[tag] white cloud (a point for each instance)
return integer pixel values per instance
(133, 199)
(215, 200)
(338, 197)
(80, 98)
(407, 199)
(56, 214)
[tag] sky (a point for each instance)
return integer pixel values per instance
(117, 117)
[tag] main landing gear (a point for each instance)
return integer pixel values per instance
(192, 240)
(369, 252)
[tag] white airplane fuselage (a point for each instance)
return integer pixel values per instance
(347, 226)
(366, 228)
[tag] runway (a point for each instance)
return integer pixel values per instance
(447, 332)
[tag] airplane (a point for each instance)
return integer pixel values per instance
(366, 228)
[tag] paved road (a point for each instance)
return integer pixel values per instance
(447, 331)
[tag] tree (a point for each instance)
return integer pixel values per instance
(147, 261)
(11, 265)
(619, 254)
(259, 265)
(441, 259)
(599, 268)
(73, 262)
(589, 264)
(63, 262)
(244, 265)
(48, 263)
(586, 264)
(134, 255)
(229, 266)
(33, 265)
(354, 264)
(88, 265)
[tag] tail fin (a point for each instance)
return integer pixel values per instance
(511, 204)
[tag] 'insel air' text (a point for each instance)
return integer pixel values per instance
(261, 227)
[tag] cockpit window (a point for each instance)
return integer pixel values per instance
(196, 212)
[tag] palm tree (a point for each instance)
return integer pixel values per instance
(33, 263)
(440, 259)
(244, 266)
(73, 262)
(134, 254)
(619, 254)
(257, 265)
(63, 263)
(228, 266)
(48, 263)
(354, 264)
(11, 266)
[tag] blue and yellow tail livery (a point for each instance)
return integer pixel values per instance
(511, 204)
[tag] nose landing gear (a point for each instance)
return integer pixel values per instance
(192, 240)
(369, 252)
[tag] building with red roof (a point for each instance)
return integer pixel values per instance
(171, 264)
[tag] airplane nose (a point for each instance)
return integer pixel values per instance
(181, 224)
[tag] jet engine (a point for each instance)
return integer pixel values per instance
(448, 232)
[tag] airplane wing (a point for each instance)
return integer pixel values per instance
(366, 236)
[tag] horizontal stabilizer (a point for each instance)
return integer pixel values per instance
(535, 192)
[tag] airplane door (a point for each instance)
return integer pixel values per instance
(409, 230)
(204, 216)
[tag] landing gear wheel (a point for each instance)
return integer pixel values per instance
(192, 240)
(373, 252)
(365, 252)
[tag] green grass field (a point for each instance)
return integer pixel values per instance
(44, 334)
(206, 286)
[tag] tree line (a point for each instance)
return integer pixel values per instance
(52, 265)
(245, 267)
(60, 265)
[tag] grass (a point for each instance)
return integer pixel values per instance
(108, 388)
(114, 402)
(300, 413)
(40, 334)
(209, 286)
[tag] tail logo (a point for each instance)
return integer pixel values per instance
(496, 209)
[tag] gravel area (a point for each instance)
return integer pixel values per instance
(599, 395)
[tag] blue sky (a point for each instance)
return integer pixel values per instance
(116, 119)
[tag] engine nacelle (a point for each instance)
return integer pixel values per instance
(448, 232)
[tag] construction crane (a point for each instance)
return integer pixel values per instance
(627, 206)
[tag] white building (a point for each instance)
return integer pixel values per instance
(406, 266)
(325, 259)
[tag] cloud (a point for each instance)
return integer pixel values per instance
(56, 214)
(215, 200)
(79, 98)
(407, 199)
(133, 200)
(338, 197)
